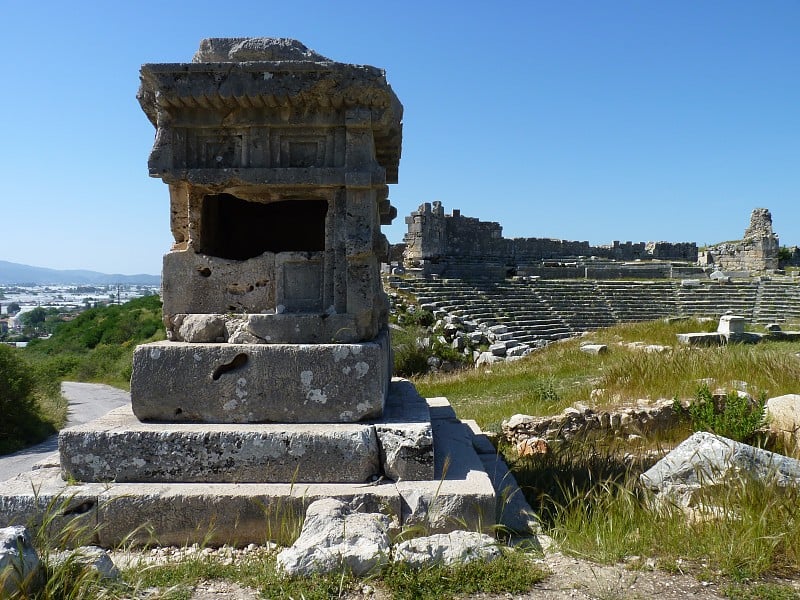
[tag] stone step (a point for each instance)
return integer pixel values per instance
(459, 495)
(118, 447)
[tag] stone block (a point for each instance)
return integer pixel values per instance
(459, 495)
(222, 513)
(405, 435)
(120, 448)
(196, 283)
(303, 328)
(260, 383)
(460, 492)
(731, 326)
(700, 339)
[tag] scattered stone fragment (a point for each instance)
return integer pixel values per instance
(457, 547)
(706, 459)
(594, 348)
(89, 557)
(533, 446)
(335, 536)
(783, 417)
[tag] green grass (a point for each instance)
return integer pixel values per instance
(551, 379)
(591, 504)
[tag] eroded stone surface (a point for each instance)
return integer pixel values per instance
(257, 383)
(120, 448)
(19, 562)
(706, 459)
(456, 547)
(334, 537)
(253, 49)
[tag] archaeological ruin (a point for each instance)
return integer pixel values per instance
(455, 246)
(274, 386)
(452, 245)
(756, 251)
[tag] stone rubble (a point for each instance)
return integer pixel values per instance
(333, 537)
(532, 434)
(705, 460)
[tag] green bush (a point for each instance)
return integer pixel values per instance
(21, 423)
(735, 417)
(98, 344)
(410, 358)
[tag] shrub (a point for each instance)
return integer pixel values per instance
(735, 417)
(20, 423)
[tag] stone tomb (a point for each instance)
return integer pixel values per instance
(277, 170)
(274, 386)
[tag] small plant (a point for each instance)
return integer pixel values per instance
(734, 416)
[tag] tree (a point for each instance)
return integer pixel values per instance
(13, 308)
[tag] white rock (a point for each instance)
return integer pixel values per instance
(783, 417)
(334, 536)
(594, 348)
(202, 328)
(706, 459)
(457, 547)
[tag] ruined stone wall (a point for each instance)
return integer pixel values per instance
(757, 251)
(445, 244)
(671, 251)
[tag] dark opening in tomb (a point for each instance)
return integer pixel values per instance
(236, 229)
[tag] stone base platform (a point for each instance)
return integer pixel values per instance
(461, 495)
(120, 448)
(179, 382)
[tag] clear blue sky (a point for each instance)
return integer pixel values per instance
(582, 120)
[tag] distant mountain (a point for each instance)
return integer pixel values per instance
(14, 273)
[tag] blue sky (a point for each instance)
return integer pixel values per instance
(581, 120)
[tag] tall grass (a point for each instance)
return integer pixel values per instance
(625, 374)
(590, 501)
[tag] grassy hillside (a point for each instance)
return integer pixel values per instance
(98, 344)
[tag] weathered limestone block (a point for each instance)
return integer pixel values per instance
(249, 383)
(214, 50)
(200, 328)
(309, 329)
(731, 327)
(460, 485)
(783, 417)
(405, 434)
(197, 283)
(454, 548)
(91, 558)
(594, 348)
(333, 537)
(119, 448)
(706, 459)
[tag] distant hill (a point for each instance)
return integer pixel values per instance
(14, 273)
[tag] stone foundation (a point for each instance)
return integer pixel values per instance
(260, 383)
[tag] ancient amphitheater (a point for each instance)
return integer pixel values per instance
(550, 309)
(544, 290)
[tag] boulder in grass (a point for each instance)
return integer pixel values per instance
(336, 537)
(456, 547)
